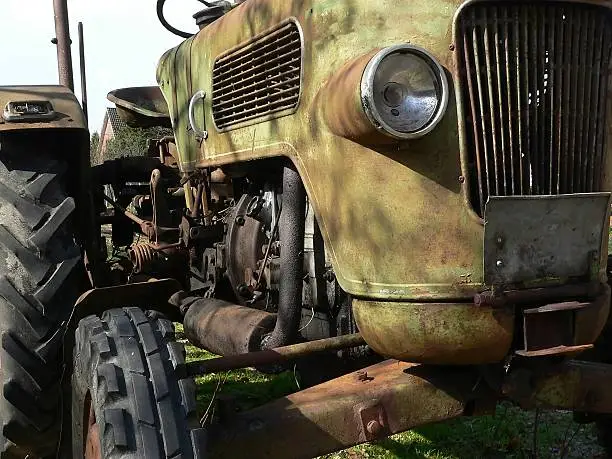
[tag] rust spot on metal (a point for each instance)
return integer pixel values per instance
(343, 107)
(363, 376)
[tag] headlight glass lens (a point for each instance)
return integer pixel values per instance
(406, 91)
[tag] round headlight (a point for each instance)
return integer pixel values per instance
(404, 91)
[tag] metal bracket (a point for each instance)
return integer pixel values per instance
(542, 240)
(147, 295)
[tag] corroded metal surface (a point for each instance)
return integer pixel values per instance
(534, 96)
(146, 295)
(457, 334)
(567, 324)
(546, 239)
(142, 106)
(343, 110)
(63, 42)
(226, 329)
(366, 405)
(65, 104)
(265, 357)
(574, 385)
(381, 210)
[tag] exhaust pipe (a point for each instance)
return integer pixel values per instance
(63, 42)
(224, 328)
(82, 71)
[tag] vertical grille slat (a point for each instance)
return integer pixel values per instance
(588, 81)
(535, 76)
(501, 77)
(491, 92)
(552, 99)
(519, 100)
(567, 90)
(603, 94)
(259, 79)
(557, 118)
(510, 103)
(486, 157)
(597, 70)
(467, 46)
(534, 82)
(525, 106)
(542, 101)
(582, 69)
(574, 101)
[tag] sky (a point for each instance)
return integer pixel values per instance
(123, 43)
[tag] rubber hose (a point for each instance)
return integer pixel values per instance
(291, 236)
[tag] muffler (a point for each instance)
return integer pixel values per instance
(224, 328)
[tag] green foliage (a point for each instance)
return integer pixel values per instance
(133, 141)
(94, 145)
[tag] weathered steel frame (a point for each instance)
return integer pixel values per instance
(392, 397)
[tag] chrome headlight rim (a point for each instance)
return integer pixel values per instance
(367, 91)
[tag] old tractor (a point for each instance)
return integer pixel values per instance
(406, 202)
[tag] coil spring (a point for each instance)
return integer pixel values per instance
(142, 255)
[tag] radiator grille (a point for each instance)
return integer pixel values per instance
(534, 82)
(259, 79)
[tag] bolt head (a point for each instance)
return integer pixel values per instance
(374, 427)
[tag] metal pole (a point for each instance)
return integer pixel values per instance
(82, 70)
(63, 42)
(269, 356)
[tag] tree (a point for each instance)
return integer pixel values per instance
(94, 145)
(133, 141)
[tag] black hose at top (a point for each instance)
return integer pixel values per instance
(291, 236)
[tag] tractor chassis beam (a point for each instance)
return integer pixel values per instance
(392, 397)
(366, 405)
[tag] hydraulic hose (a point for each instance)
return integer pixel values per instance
(291, 236)
(166, 24)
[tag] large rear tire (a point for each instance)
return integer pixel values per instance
(127, 401)
(38, 288)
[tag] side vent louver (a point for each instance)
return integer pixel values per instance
(259, 79)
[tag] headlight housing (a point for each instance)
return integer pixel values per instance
(404, 91)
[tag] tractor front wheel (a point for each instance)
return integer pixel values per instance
(126, 399)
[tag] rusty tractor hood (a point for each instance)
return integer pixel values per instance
(396, 218)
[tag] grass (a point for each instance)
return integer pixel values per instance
(507, 434)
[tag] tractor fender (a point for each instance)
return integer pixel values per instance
(67, 111)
